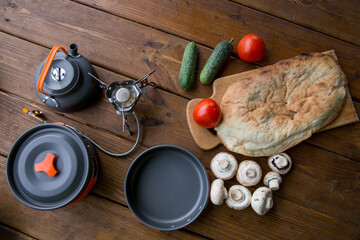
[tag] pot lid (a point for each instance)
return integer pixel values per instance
(62, 76)
(48, 166)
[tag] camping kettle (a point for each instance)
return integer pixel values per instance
(62, 81)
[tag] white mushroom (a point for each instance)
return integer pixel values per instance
(249, 173)
(280, 163)
(262, 200)
(272, 180)
(218, 192)
(239, 197)
(224, 165)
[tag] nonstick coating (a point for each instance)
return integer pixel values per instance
(166, 187)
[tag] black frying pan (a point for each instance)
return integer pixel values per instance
(166, 187)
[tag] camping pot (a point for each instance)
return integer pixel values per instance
(50, 166)
(166, 187)
(62, 81)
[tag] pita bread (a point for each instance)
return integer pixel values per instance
(281, 105)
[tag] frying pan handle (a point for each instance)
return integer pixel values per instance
(46, 68)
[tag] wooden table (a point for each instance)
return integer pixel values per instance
(320, 197)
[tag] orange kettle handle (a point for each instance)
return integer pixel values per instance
(46, 68)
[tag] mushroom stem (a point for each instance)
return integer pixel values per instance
(281, 162)
(224, 164)
(269, 203)
(237, 195)
(272, 180)
(274, 185)
(250, 173)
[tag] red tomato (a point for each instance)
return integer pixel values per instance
(251, 48)
(207, 113)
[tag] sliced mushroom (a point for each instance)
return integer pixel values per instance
(272, 180)
(239, 197)
(249, 173)
(224, 165)
(262, 200)
(218, 192)
(280, 163)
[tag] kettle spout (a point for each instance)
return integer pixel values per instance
(73, 50)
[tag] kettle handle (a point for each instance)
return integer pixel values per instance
(46, 68)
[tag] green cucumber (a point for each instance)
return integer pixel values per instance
(217, 59)
(188, 64)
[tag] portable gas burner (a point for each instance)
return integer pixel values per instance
(123, 96)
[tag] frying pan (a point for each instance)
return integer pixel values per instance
(166, 187)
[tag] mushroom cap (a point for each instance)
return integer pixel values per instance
(272, 180)
(249, 173)
(218, 192)
(238, 197)
(280, 163)
(262, 200)
(224, 166)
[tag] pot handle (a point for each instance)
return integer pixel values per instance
(46, 68)
(86, 191)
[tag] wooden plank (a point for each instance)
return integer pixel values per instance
(299, 223)
(132, 49)
(120, 45)
(305, 207)
(317, 185)
(158, 110)
(222, 20)
(9, 234)
(91, 218)
(346, 140)
(340, 19)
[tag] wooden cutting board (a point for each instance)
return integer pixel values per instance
(207, 140)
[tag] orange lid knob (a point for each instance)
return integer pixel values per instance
(47, 165)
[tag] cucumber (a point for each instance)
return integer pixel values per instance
(215, 62)
(188, 64)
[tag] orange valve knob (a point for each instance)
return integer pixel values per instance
(47, 165)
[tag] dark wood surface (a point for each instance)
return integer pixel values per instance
(319, 198)
(9, 233)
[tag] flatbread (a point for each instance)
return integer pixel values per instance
(281, 105)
